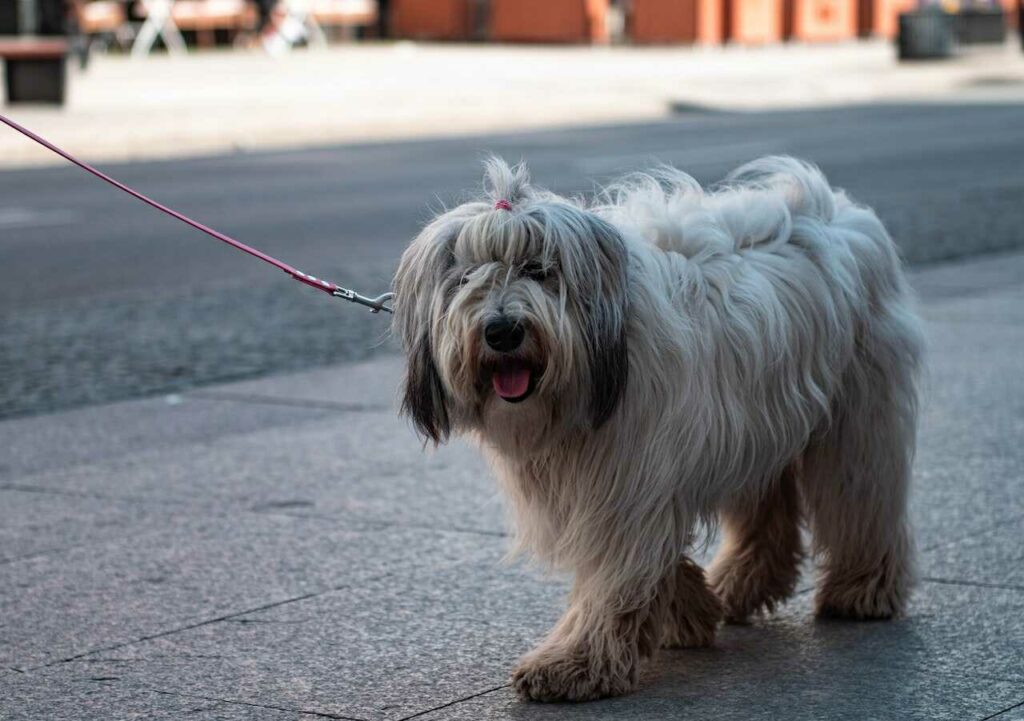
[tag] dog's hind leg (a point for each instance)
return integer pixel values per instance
(758, 563)
(856, 479)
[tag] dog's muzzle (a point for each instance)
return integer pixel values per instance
(512, 377)
(504, 335)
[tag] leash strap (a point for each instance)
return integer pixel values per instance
(375, 304)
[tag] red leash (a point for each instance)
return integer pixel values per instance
(375, 304)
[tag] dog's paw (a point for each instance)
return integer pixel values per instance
(547, 676)
(747, 587)
(862, 598)
(694, 620)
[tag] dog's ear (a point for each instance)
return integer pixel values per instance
(417, 288)
(424, 398)
(607, 314)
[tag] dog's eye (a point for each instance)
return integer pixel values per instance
(534, 271)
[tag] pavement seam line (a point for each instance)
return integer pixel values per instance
(200, 624)
(259, 399)
(977, 584)
(1005, 710)
(948, 674)
(43, 490)
(456, 701)
(980, 532)
(189, 627)
(378, 525)
(36, 554)
(320, 714)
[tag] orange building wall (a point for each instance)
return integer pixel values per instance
(1012, 13)
(753, 22)
(880, 18)
(429, 19)
(553, 21)
(676, 21)
(818, 20)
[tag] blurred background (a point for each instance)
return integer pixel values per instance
(327, 131)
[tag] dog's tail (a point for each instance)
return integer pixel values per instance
(802, 184)
(755, 206)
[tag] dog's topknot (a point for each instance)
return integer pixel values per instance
(506, 183)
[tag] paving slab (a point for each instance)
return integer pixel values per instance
(87, 695)
(969, 463)
(370, 385)
(955, 496)
(325, 443)
(1016, 713)
(38, 523)
(958, 281)
(799, 695)
(106, 432)
(994, 557)
(364, 467)
(386, 651)
(189, 570)
(929, 666)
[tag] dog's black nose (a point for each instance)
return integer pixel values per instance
(504, 335)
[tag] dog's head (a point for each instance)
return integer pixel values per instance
(512, 312)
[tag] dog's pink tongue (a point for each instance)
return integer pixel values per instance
(511, 382)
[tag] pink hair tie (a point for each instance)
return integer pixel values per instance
(503, 205)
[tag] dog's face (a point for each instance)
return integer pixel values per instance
(513, 319)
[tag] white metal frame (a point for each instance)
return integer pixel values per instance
(159, 24)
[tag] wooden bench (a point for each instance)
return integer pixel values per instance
(167, 18)
(100, 16)
(344, 14)
(315, 15)
(204, 17)
(34, 68)
(98, 23)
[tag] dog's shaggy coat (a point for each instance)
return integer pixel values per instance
(740, 357)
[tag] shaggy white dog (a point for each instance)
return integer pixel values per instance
(668, 360)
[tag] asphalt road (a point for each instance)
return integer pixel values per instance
(101, 298)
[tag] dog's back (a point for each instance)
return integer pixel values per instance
(757, 207)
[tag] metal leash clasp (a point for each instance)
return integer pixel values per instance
(376, 305)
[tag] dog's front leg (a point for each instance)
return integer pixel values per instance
(596, 648)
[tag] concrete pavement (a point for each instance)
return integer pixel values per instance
(283, 549)
(219, 102)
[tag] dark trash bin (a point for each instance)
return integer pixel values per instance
(926, 35)
(35, 74)
(9, 14)
(980, 25)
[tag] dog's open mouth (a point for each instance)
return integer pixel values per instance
(513, 380)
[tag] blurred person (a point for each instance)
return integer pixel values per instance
(280, 26)
(265, 8)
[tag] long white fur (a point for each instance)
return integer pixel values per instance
(767, 326)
